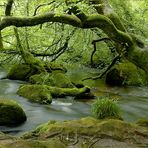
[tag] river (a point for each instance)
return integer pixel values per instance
(132, 100)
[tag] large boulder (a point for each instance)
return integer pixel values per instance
(126, 73)
(11, 113)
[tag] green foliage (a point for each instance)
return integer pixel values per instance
(105, 108)
(134, 15)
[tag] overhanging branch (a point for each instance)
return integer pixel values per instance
(40, 19)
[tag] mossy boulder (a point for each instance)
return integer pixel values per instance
(20, 143)
(19, 72)
(36, 93)
(81, 133)
(55, 78)
(43, 93)
(87, 132)
(24, 71)
(143, 122)
(126, 73)
(11, 113)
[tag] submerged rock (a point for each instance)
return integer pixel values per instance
(11, 113)
(126, 74)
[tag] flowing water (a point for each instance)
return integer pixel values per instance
(133, 101)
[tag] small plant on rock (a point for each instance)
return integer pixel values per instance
(105, 108)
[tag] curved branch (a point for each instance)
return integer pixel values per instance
(36, 20)
(105, 24)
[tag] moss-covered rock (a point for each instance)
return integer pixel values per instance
(24, 71)
(55, 78)
(126, 74)
(90, 131)
(43, 94)
(19, 72)
(11, 113)
(36, 93)
(81, 133)
(143, 122)
(20, 143)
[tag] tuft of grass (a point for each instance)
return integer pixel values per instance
(106, 108)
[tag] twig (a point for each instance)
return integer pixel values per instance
(41, 5)
(95, 48)
(53, 134)
(108, 68)
(94, 143)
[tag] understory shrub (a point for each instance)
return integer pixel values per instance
(105, 108)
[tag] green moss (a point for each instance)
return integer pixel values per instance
(139, 57)
(81, 133)
(36, 93)
(34, 144)
(50, 66)
(90, 127)
(126, 74)
(11, 113)
(43, 93)
(19, 72)
(60, 80)
(39, 79)
(143, 122)
(35, 63)
(55, 78)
